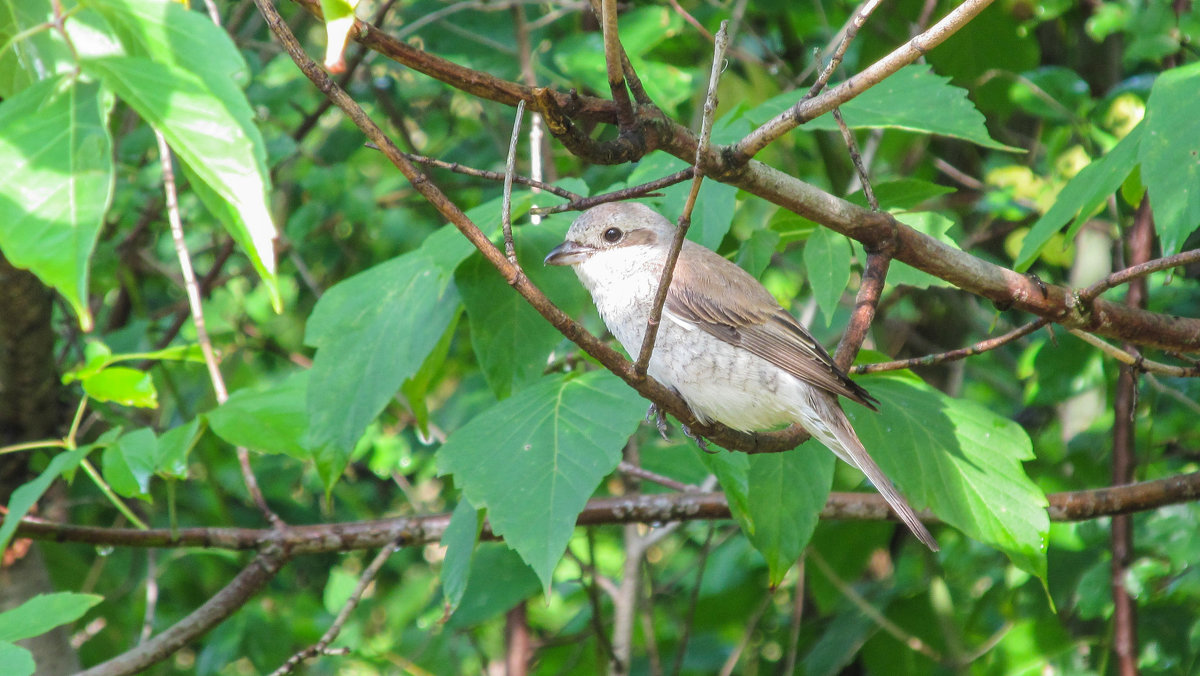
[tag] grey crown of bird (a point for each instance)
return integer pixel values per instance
(724, 344)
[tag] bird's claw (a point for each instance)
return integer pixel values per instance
(655, 415)
(696, 438)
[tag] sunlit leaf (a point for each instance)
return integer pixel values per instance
(56, 181)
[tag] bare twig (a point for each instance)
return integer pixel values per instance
(193, 295)
(510, 248)
(911, 640)
(222, 604)
(1136, 360)
(321, 647)
(640, 190)
(751, 627)
(685, 219)
(953, 355)
(612, 62)
(693, 599)
(633, 470)
(1138, 271)
(489, 175)
(1124, 462)
(857, 160)
(848, 33)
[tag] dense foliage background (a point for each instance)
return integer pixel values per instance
(358, 359)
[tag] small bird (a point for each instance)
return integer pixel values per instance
(724, 344)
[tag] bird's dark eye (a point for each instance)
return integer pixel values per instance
(612, 235)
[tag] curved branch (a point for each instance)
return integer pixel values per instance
(644, 508)
(223, 604)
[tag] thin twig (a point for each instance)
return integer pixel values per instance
(856, 159)
(192, 289)
(510, 248)
(693, 600)
(321, 647)
(912, 641)
(214, 611)
(640, 190)
(612, 63)
(685, 219)
(1138, 271)
(1083, 505)
(751, 627)
(631, 469)
(1136, 360)
(483, 173)
(953, 355)
(797, 615)
(848, 32)
(151, 596)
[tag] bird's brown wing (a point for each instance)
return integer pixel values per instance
(700, 293)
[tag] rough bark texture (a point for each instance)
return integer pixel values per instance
(29, 410)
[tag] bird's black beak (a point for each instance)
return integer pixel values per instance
(568, 253)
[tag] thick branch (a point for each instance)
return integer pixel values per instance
(223, 604)
(650, 508)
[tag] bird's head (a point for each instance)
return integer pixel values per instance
(614, 227)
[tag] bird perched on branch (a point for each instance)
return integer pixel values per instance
(724, 343)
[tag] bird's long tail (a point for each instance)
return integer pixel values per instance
(839, 436)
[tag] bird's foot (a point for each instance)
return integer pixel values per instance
(655, 415)
(696, 438)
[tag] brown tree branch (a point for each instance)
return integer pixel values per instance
(952, 355)
(223, 604)
(1082, 505)
(685, 218)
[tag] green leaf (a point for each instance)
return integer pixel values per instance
(713, 213)
(960, 460)
(99, 357)
(732, 471)
(15, 660)
(756, 252)
(267, 420)
(511, 339)
(22, 499)
(913, 99)
(1081, 196)
(211, 128)
(903, 193)
(785, 493)
(125, 386)
(416, 389)
(498, 581)
(460, 538)
(39, 55)
(1170, 155)
(372, 332)
(933, 224)
(827, 264)
(44, 612)
(56, 181)
(129, 463)
(167, 32)
(534, 459)
(173, 448)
